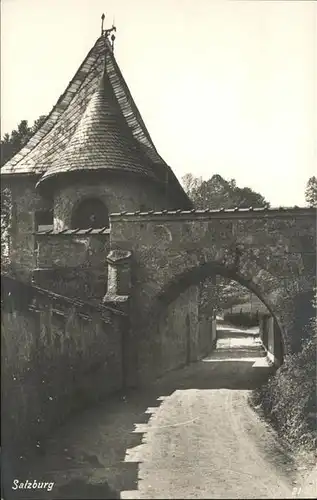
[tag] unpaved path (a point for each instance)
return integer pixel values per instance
(191, 434)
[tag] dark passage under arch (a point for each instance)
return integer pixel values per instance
(196, 275)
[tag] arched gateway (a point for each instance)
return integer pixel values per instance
(270, 251)
(92, 155)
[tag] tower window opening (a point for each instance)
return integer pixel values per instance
(44, 220)
(90, 213)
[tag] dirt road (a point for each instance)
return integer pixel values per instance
(191, 435)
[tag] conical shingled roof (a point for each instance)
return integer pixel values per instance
(94, 125)
(102, 140)
(53, 136)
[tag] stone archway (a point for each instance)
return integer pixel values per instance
(175, 284)
(171, 250)
(175, 288)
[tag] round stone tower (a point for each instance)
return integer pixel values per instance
(109, 163)
(92, 156)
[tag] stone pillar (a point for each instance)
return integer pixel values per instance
(274, 344)
(118, 293)
(278, 345)
(119, 275)
(264, 335)
(270, 338)
(261, 327)
(213, 332)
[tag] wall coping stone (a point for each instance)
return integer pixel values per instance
(230, 213)
(11, 286)
(120, 302)
(116, 256)
(71, 232)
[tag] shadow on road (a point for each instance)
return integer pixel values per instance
(85, 458)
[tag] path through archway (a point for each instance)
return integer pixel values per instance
(176, 332)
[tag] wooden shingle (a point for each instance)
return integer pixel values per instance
(94, 125)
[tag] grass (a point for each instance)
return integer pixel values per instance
(288, 400)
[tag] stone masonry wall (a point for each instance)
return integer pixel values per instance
(26, 200)
(206, 335)
(57, 357)
(182, 336)
(271, 252)
(73, 265)
(130, 195)
(133, 194)
(178, 330)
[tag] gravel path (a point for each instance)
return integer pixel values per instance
(191, 434)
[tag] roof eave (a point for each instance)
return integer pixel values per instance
(18, 175)
(58, 109)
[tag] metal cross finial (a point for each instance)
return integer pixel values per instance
(113, 35)
(102, 21)
(107, 32)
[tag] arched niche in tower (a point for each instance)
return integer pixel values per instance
(90, 213)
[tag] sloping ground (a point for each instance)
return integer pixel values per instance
(191, 434)
(288, 401)
(308, 485)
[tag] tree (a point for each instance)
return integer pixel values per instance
(220, 193)
(311, 192)
(218, 293)
(14, 142)
(191, 184)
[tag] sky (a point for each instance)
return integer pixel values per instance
(224, 87)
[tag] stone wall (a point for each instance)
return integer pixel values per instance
(178, 331)
(131, 195)
(181, 336)
(207, 335)
(73, 264)
(25, 202)
(270, 252)
(57, 357)
(271, 339)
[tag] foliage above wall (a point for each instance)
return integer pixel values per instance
(220, 193)
(12, 143)
(219, 293)
(311, 191)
